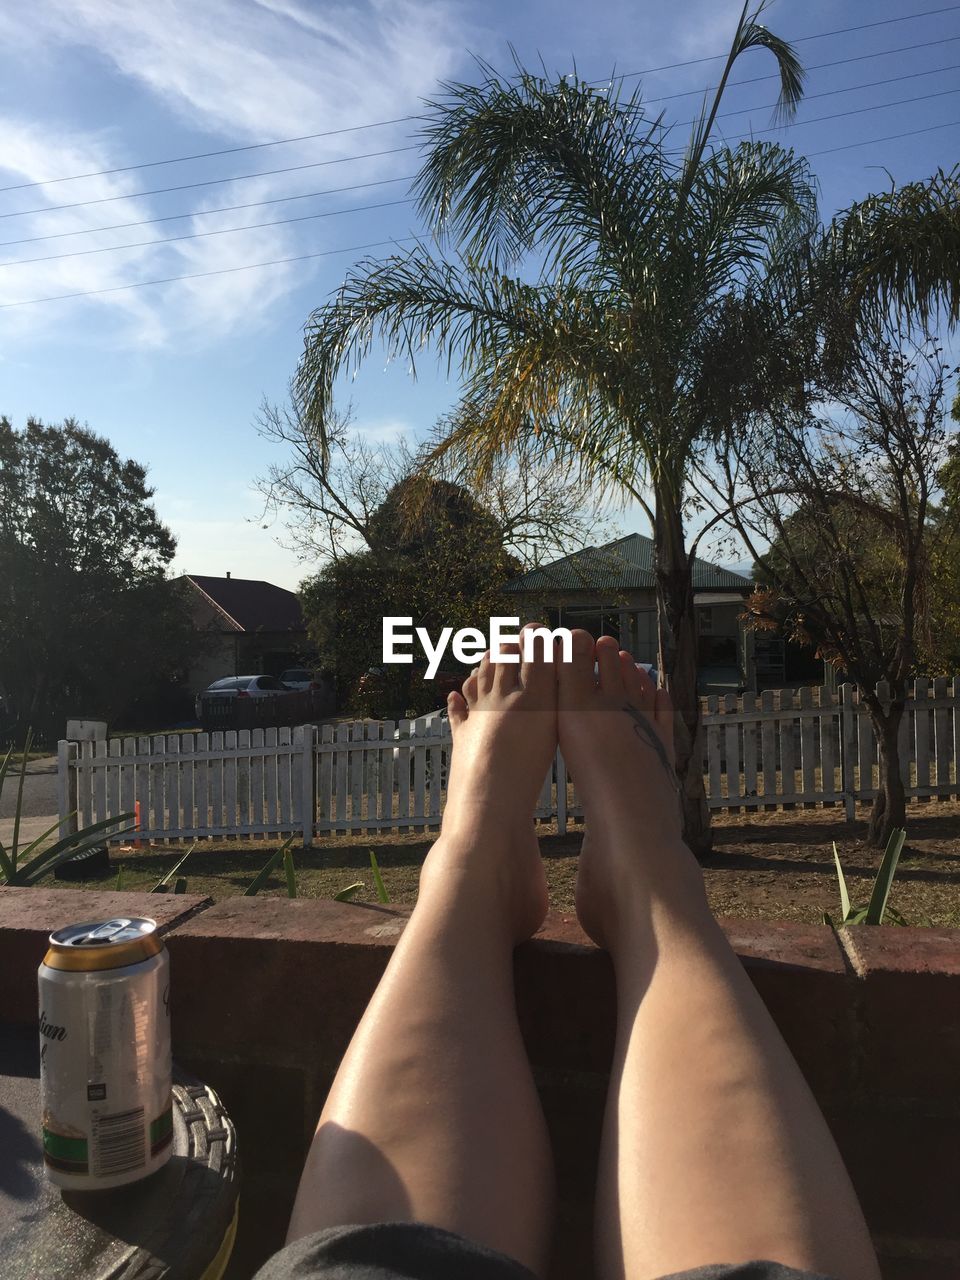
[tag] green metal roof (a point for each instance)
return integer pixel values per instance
(623, 565)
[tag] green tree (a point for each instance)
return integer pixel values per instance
(435, 555)
(615, 351)
(940, 650)
(89, 621)
(843, 501)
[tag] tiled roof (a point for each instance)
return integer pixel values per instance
(623, 565)
(250, 604)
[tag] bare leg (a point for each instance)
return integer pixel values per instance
(713, 1149)
(433, 1116)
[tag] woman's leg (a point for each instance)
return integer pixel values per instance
(713, 1150)
(433, 1116)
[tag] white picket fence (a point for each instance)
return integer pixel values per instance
(784, 749)
(816, 747)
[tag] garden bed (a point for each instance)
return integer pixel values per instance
(776, 865)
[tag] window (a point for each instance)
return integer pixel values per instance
(705, 616)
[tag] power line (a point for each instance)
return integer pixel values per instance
(390, 204)
(378, 124)
(396, 203)
(202, 213)
(890, 137)
(835, 115)
(257, 204)
(140, 284)
(832, 93)
(198, 235)
(79, 204)
(817, 35)
(210, 182)
(147, 221)
(814, 66)
(209, 155)
(854, 111)
(198, 275)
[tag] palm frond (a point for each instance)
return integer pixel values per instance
(523, 162)
(518, 349)
(408, 303)
(749, 34)
(748, 205)
(789, 66)
(899, 249)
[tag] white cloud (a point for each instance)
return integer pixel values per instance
(32, 155)
(383, 431)
(240, 72)
(267, 69)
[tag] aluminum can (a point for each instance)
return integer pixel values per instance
(105, 1088)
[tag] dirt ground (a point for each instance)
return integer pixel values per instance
(776, 865)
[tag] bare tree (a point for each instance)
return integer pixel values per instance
(328, 489)
(834, 502)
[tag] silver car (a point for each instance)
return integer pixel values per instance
(232, 687)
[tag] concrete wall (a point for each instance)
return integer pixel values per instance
(266, 993)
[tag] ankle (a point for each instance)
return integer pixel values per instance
(496, 829)
(621, 817)
(650, 894)
(493, 879)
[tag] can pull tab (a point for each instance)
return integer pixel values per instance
(107, 932)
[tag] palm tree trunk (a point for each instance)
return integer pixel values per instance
(890, 807)
(677, 661)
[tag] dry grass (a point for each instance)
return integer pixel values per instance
(772, 865)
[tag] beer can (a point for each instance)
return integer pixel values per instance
(105, 1088)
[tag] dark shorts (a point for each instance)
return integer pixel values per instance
(412, 1251)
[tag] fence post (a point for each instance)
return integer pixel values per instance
(308, 790)
(67, 805)
(848, 751)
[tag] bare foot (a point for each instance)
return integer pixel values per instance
(504, 737)
(616, 735)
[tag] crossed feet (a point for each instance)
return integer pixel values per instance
(615, 729)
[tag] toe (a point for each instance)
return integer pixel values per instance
(608, 665)
(469, 687)
(507, 671)
(576, 680)
(627, 668)
(538, 675)
(456, 710)
(485, 674)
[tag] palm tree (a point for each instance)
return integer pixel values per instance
(610, 347)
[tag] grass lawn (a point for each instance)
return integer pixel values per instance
(776, 865)
(16, 760)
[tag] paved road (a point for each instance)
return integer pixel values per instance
(39, 801)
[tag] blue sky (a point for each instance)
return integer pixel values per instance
(173, 373)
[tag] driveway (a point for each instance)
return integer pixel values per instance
(39, 809)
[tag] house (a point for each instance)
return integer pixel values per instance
(610, 590)
(255, 627)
